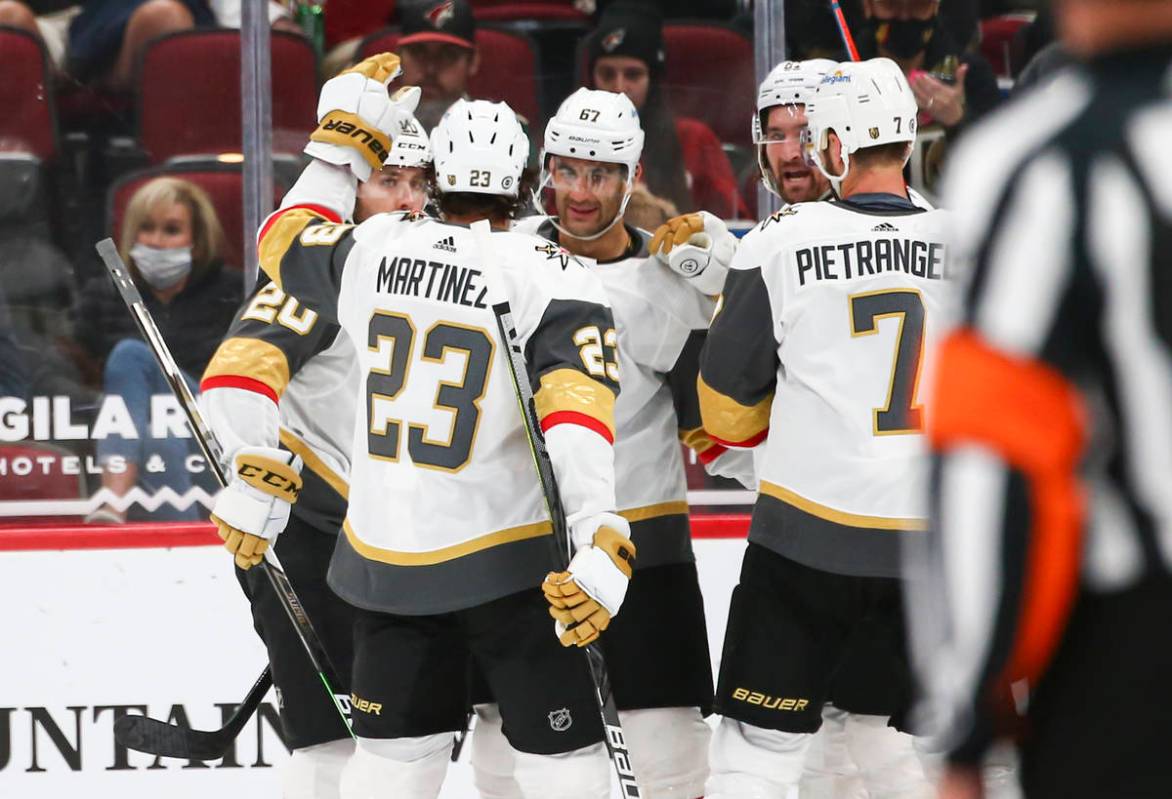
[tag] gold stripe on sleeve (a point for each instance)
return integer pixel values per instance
(840, 517)
(728, 420)
(568, 390)
(697, 440)
(252, 358)
(315, 464)
(437, 556)
(278, 238)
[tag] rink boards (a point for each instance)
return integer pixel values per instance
(100, 622)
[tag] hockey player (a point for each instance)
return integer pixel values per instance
(282, 383)
(829, 312)
(446, 537)
(854, 730)
(403, 183)
(662, 304)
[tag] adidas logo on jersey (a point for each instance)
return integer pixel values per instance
(885, 227)
(448, 244)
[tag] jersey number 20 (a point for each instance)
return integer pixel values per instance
(460, 399)
(901, 414)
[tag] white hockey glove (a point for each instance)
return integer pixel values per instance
(698, 247)
(357, 117)
(254, 507)
(585, 597)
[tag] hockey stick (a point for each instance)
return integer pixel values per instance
(140, 732)
(844, 30)
(616, 742)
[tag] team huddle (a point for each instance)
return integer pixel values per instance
(368, 376)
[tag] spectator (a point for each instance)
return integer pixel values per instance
(107, 38)
(438, 52)
(170, 241)
(48, 20)
(686, 164)
(951, 86)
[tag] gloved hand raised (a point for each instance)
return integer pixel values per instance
(357, 118)
(253, 509)
(698, 247)
(585, 597)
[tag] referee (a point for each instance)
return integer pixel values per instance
(1046, 609)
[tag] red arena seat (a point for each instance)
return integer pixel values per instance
(710, 75)
(505, 11)
(998, 39)
(224, 184)
(508, 67)
(28, 123)
(189, 93)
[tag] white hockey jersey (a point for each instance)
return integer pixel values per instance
(821, 346)
(284, 376)
(446, 511)
(661, 323)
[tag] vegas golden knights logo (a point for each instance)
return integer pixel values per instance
(874, 133)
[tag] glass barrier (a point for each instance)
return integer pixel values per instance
(130, 127)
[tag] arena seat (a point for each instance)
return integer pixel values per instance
(224, 184)
(188, 93)
(999, 38)
(353, 19)
(710, 75)
(505, 11)
(508, 67)
(29, 122)
(36, 485)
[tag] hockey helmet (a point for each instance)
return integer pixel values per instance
(789, 83)
(410, 147)
(479, 147)
(866, 104)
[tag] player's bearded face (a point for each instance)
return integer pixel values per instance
(796, 180)
(587, 194)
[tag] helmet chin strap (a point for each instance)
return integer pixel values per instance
(835, 180)
(556, 221)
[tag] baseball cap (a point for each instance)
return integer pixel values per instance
(448, 21)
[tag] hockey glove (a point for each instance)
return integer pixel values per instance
(357, 118)
(585, 597)
(254, 507)
(698, 247)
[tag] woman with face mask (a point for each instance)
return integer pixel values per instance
(170, 239)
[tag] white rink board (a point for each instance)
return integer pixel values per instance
(86, 630)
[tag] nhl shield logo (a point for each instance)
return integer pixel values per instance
(560, 720)
(874, 133)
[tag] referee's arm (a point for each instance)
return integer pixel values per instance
(1007, 427)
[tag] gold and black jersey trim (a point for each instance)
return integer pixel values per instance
(568, 396)
(729, 422)
(445, 554)
(248, 363)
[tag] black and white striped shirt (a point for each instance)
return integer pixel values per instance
(1053, 414)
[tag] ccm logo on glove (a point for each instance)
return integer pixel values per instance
(276, 479)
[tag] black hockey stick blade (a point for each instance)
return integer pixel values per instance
(144, 734)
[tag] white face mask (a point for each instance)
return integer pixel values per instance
(161, 268)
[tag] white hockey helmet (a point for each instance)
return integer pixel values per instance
(410, 147)
(788, 83)
(479, 147)
(594, 125)
(866, 104)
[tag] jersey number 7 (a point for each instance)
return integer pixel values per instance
(901, 415)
